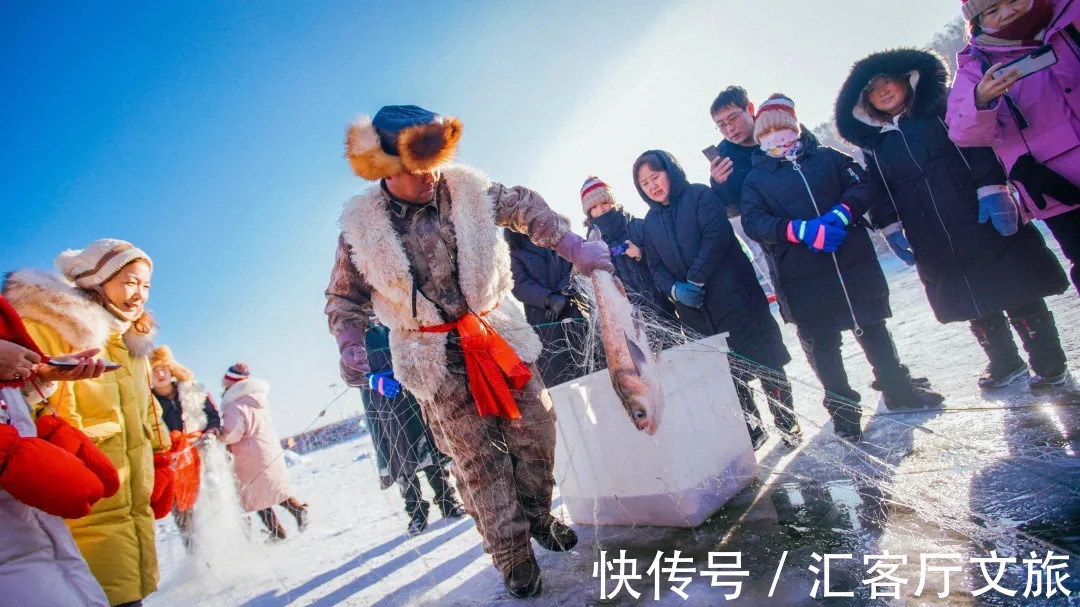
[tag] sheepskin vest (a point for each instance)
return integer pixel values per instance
(483, 261)
(192, 405)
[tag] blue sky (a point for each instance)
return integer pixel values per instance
(210, 133)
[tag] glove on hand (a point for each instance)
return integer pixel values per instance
(62, 434)
(384, 383)
(688, 294)
(44, 476)
(554, 305)
(996, 204)
(894, 237)
(353, 364)
(838, 217)
(816, 235)
(586, 255)
(164, 493)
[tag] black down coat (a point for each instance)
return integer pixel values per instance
(616, 227)
(402, 439)
(969, 269)
(691, 240)
(539, 272)
(809, 288)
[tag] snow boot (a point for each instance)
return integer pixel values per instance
(418, 521)
(552, 534)
(273, 525)
(846, 415)
(1006, 366)
(451, 509)
(792, 436)
(299, 511)
(1039, 334)
(910, 396)
(522, 580)
(758, 437)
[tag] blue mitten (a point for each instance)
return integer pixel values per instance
(384, 383)
(688, 294)
(816, 234)
(894, 237)
(996, 204)
(838, 216)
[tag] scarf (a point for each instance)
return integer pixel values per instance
(490, 363)
(1021, 32)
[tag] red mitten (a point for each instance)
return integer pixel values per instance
(42, 475)
(62, 434)
(163, 495)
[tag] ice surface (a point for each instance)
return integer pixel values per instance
(996, 471)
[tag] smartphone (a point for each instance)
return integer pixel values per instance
(1038, 59)
(711, 153)
(69, 363)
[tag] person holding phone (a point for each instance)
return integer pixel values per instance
(99, 301)
(1030, 113)
(976, 260)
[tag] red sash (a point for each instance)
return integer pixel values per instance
(491, 364)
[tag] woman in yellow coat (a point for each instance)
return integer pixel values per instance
(99, 303)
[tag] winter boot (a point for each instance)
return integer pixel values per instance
(846, 415)
(299, 511)
(792, 436)
(909, 396)
(552, 534)
(451, 509)
(1039, 334)
(522, 580)
(418, 521)
(273, 525)
(1006, 366)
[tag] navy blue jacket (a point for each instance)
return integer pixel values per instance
(808, 285)
(969, 270)
(616, 227)
(691, 240)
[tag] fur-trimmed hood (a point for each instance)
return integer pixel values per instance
(49, 298)
(927, 73)
(256, 388)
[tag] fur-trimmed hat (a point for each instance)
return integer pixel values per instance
(163, 357)
(237, 372)
(99, 261)
(400, 138)
(594, 192)
(776, 113)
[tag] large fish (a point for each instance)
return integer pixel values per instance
(633, 368)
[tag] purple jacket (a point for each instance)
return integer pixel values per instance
(1049, 99)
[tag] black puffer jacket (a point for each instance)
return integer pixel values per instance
(539, 272)
(742, 162)
(809, 288)
(969, 269)
(616, 227)
(691, 240)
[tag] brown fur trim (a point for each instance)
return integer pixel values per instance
(365, 153)
(429, 146)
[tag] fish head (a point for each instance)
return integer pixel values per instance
(640, 404)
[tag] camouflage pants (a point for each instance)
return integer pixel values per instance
(503, 468)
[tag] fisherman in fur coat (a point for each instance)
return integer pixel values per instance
(421, 250)
(99, 302)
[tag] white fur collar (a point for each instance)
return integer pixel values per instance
(254, 387)
(49, 298)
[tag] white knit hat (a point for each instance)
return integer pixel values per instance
(99, 261)
(594, 192)
(777, 113)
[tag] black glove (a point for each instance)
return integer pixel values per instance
(554, 306)
(1041, 181)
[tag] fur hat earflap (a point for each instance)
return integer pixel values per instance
(429, 146)
(365, 152)
(163, 357)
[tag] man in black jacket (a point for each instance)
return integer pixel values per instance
(734, 117)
